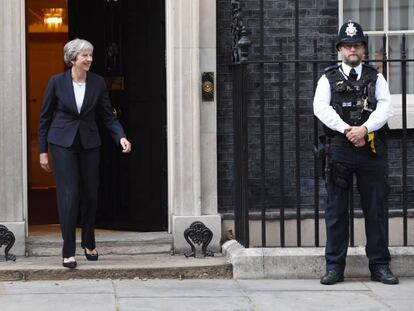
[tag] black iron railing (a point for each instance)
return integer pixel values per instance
(241, 75)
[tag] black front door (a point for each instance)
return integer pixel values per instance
(129, 41)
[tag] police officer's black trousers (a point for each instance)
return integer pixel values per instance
(77, 176)
(371, 172)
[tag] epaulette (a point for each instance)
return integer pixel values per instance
(332, 67)
(371, 67)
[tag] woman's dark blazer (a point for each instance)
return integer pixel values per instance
(59, 118)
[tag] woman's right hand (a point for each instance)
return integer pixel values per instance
(44, 162)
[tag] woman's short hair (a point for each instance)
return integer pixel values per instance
(73, 48)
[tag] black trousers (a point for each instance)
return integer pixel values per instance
(77, 178)
(371, 172)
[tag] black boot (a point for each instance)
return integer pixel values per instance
(331, 277)
(383, 274)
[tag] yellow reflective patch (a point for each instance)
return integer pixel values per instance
(371, 140)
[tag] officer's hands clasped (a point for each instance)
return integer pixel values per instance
(356, 135)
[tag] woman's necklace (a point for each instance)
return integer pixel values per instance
(78, 82)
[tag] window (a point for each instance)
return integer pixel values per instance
(392, 18)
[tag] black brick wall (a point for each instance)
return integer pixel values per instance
(318, 19)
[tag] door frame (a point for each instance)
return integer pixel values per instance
(190, 48)
(25, 113)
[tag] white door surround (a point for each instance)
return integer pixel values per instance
(192, 153)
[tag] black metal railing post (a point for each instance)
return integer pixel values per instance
(384, 57)
(404, 135)
(366, 52)
(351, 213)
(240, 55)
(263, 200)
(385, 74)
(297, 131)
(240, 126)
(316, 159)
(281, 150)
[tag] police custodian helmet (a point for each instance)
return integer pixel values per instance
(350, 32)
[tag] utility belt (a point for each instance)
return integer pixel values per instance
(374, 142)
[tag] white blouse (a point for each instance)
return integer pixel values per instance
(79, 89)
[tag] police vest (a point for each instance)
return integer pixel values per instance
(353, 101)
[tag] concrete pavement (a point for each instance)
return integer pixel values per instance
(177, 295)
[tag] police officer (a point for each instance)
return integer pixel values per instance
(353, 102)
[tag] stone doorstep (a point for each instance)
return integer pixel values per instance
(306, 263)
(117, 248)
(124, 243)
(154, 266)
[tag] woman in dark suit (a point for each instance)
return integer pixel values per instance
(72, 102)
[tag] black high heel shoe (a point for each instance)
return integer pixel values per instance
(91, 257)
(69, 264)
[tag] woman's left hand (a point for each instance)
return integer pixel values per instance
(126, 145)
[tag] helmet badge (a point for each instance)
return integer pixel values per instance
(351, 30)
